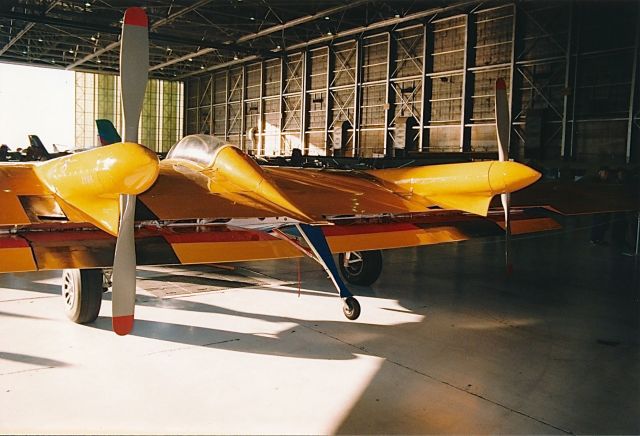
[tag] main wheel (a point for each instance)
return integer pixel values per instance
(351, 308)
(361, 267)
(82, 291)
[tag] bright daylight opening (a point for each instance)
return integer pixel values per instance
(36, 101)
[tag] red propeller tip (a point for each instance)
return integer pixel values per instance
(500, 84)
(136, 17)
(122, 325)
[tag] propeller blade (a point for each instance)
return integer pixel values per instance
(503, 121)
(506, 205)
(124, 269)
(134, 67)
(503, 125)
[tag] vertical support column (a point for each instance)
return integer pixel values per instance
(567, 84)
(283, 65)
(212, 113)
(185, 111)
(243, 84)
(327, 117)
(427, 67)
(303, 100)
(390, 100)
(576, 68)
(260, 133)
(632, 92)
(467, 83)
(197, 80)
(226, 107)
(356, 98)
(514, 100)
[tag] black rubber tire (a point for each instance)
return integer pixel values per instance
(82, 292)
(351, 308)
(364, 273)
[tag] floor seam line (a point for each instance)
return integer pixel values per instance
(26, 370)
(444, 382)
(29, 298)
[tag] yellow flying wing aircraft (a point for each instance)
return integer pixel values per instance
(117, 206)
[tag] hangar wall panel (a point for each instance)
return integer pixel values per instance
(570, 67)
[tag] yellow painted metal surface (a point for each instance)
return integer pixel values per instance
(326, 192)
(182, 193)
(17, 259)
(399, 239)
(89, 183)
(15, 180)
(234, 172)
(211, 252)
(465, 186)
(519, 227)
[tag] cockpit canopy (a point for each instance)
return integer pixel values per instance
(199, 149)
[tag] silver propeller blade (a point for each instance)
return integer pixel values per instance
(124, 269)
(134, 67)
(503, 125)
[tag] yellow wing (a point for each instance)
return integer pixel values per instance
(18, 183)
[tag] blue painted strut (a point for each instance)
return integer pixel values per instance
(315, 238)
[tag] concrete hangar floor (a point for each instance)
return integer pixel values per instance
(446, 343)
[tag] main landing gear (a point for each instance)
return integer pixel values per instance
(360, 267)
(82, 292)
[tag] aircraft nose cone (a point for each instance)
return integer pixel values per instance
(511, 176)
(142, 169)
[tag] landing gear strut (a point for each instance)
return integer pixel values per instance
(82, 292)
(320, 252)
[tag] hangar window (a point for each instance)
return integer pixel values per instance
(97, 96)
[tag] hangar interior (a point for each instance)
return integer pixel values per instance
(408, 77)
(447, 343)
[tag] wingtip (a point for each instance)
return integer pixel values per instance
(122, 325)
(136, 16)
(500, 84)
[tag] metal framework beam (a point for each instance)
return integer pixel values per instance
(328, 143)
(154, 26)
(427, 86)
(467, 83)
(357, 96)
(26, 29)
(301, 20)
(632, 93)
(346, 33)
(567, 84)
(390, 96)
(303, 98)
(514, 100)
(385, 23)
(80, 24)
(186, 57)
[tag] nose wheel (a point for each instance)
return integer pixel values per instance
(351, 308)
